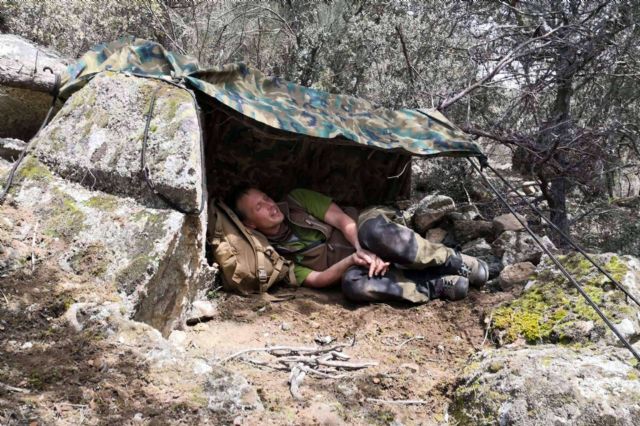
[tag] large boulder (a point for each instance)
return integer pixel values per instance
(22, 110)
(548, 385)
(551, 310)
(97, 139)
(154, 258)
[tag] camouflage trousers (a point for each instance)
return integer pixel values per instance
(412, 258)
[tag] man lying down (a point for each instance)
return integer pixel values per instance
(374, 258)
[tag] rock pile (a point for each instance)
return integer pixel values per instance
(501, 242)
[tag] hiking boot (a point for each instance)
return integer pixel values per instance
(448, 287)
(476, 270)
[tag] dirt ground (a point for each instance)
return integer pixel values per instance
(418, 349)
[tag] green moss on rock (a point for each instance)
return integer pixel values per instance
(102, 202)
(31, 168)
(65, 218)
(548, 311)
(128, 277)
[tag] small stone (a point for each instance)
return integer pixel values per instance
(436, 235)
(203, 308)
(516, 275)
(515, 247)
(323, 340)
(411, 366)
(376, 380)
(285, 326)
(200, 367)
(508, 222)
(138, 417)
(530, 187)
(6, 223)
(26, 345)
(626, 328)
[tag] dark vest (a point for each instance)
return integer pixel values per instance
(322, 255)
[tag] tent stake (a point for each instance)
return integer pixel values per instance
(559, 265)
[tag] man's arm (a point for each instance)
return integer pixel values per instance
(337, 218)
(333, 274)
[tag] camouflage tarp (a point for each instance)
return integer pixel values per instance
(278, 103)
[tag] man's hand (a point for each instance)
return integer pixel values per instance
(376, 265)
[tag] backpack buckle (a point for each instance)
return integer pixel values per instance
(262, 275)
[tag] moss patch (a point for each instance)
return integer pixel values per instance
(65, 218)
(31, 168)
(102, 202)
(476, 403)
(549, 310)
(90, 260)
(133, 273)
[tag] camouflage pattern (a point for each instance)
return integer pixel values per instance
(394, 285)
(412, 258)
(279, 104)
(396, 243)
(350, 174)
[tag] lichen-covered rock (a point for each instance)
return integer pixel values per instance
(548, 385)
(515, 247)
(430, 210)
(22, 111)
(97, 139)
(154, 257)
(551, 309)
(199, 380)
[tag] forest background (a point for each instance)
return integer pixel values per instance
(554, 81)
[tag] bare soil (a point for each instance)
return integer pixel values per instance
(419, 349)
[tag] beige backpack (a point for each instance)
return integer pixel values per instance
(249, 264)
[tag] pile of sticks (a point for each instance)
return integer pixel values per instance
(328, 362)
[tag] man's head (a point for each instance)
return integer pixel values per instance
(256, 209)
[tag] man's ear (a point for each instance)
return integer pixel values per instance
(249, 224)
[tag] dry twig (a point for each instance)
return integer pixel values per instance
(323, 362)
(397, 401)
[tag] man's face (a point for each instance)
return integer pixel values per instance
(261, 212)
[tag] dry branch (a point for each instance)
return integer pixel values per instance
(398, 401)
(323, 362)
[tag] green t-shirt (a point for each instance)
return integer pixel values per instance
(315, 204)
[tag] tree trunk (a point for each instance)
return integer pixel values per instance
(557, 199)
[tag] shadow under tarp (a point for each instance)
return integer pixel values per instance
(240, 150)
